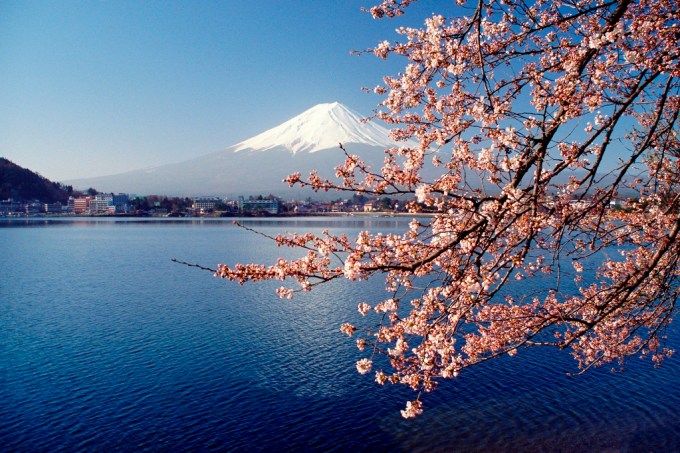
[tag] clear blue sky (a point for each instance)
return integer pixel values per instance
(90, 88)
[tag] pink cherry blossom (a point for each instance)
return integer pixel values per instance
(364, 366)
(542, 140)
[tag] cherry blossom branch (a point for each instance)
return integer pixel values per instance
(517, 112)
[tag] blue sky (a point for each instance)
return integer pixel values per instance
(95, 88)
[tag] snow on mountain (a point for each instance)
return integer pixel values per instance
(321, 127)
(258, 165)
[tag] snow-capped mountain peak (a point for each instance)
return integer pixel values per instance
(321, 127)
(258, 165)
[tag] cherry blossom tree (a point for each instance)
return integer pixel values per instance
(541, 137)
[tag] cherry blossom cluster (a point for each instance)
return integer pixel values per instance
(546, 146)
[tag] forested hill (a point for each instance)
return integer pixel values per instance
(22, 184)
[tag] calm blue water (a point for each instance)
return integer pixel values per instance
(106, 345)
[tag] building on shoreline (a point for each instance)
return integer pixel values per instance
(254, 206)
(205, 204)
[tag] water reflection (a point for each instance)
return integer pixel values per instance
(285, 223)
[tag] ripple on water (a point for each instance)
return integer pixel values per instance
(118, 349)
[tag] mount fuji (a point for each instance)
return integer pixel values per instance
(259, 164)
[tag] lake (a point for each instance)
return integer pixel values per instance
(107, 345)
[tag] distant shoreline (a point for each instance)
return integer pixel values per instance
(377, 214)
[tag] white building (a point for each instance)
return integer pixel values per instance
(101, 203)
(255, 206)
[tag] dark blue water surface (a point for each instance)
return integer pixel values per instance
(106, 345)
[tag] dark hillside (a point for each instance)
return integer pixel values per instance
(22, 184)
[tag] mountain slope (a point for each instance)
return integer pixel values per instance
(258, 165)
(22, 184)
